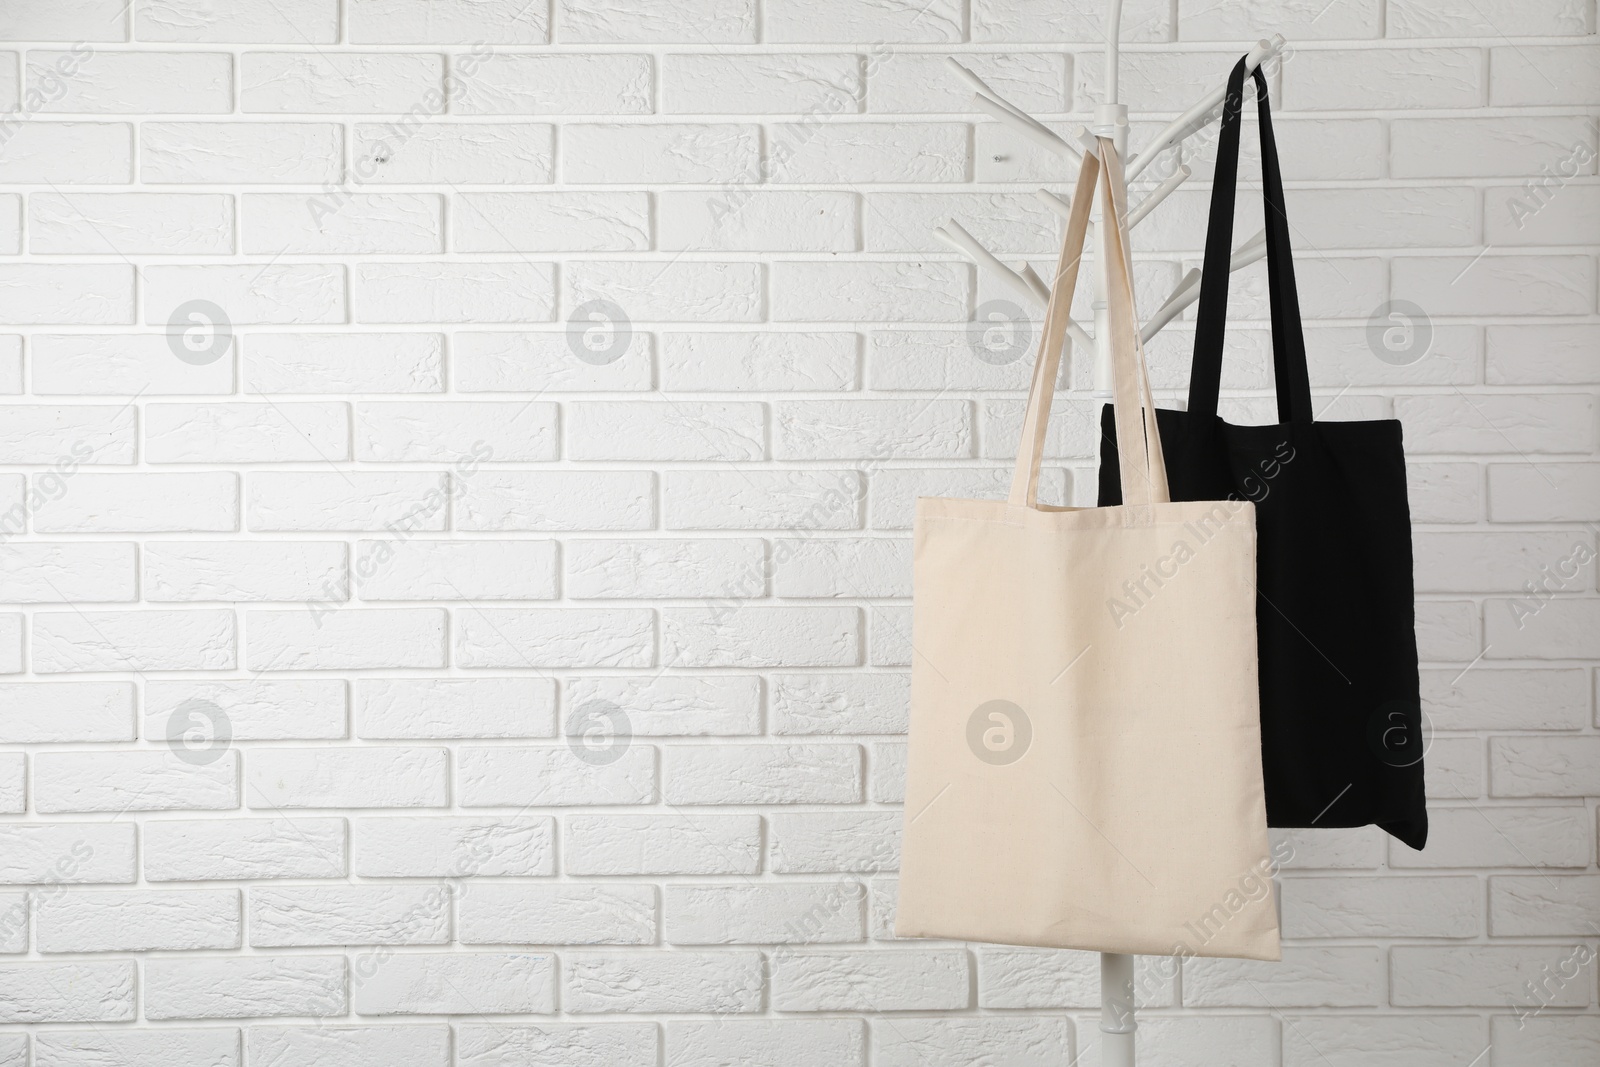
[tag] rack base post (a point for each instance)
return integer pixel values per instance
(1117, 1024)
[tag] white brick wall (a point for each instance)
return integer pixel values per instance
(503, 612)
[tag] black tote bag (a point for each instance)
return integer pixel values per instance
(1341, 716)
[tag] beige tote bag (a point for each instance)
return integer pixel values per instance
(1085, 758)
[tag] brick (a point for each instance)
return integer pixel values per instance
(132, 781)
(229, 849)
(337, 363)
(459, 983)
(1029, 1041)
(1499, 562)
(786, 500)
(832, 20)
(669, 705)
(448, 22)
(877, 429)
(370, 777)
(334, 83)
(613, 1044)
(655, 21)
(362, 222)
(762, 774)
(727, 982)
(493, 846)
(759, 222)
(453, 152)
(345, 640)
(1364, 906)
(127, 921)
(453, 292)
(761, 637)
(940, 360)
(551, 222)
(782, 1043)
(1544, 492)
(1499, 18)
(679, 291)
(1345, 79)
(662, 844)
(414, 708)
(68, 571)
(76, 992)
(456, 432)
(804, 913)
(768, 362)
(1382, 1041)
(88, 295)
(347, 501)
(353, 1046)
(70, 711)
(298, 22)
(1541, 353)
(253, 709)
(1052, 978)
(561, 501)
(1459, 147)
(1500, 699)
(853, 291)
(246, 433)
(1543, 905)
(68, 153)
(119, 365)
(349, 915)
(550, 776)
(661, 154)
(1480, 976)
(52, 20)
(1559, 629)
(1542, 75)
(1307, 978)
(556, 84)
(133, 83)
(134, 641)
(903, 980)
(246, 987)
(214, 1047)
(1497, 424)
(877, 703)
(243, 570)
(500, 914)
(217, 153)
(539, 637)
(1552, 1041)
(836, 842)
(1448, 630)
(759, 84)
(548, 362)
(721, 567)
(855, 152)
(680, 430)
(1487, 836)
(1036, 82)
(1299, 21)
(1544, 766)
(131, 224)
(66, 853)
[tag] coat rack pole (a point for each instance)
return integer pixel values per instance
(1117, 1024)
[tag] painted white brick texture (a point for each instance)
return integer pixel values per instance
(457, 464)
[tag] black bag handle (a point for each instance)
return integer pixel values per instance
(1290, 376)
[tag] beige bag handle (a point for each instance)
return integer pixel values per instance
(1142, 483)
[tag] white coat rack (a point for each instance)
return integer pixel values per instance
(1117, 1023)
(1111, 120)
